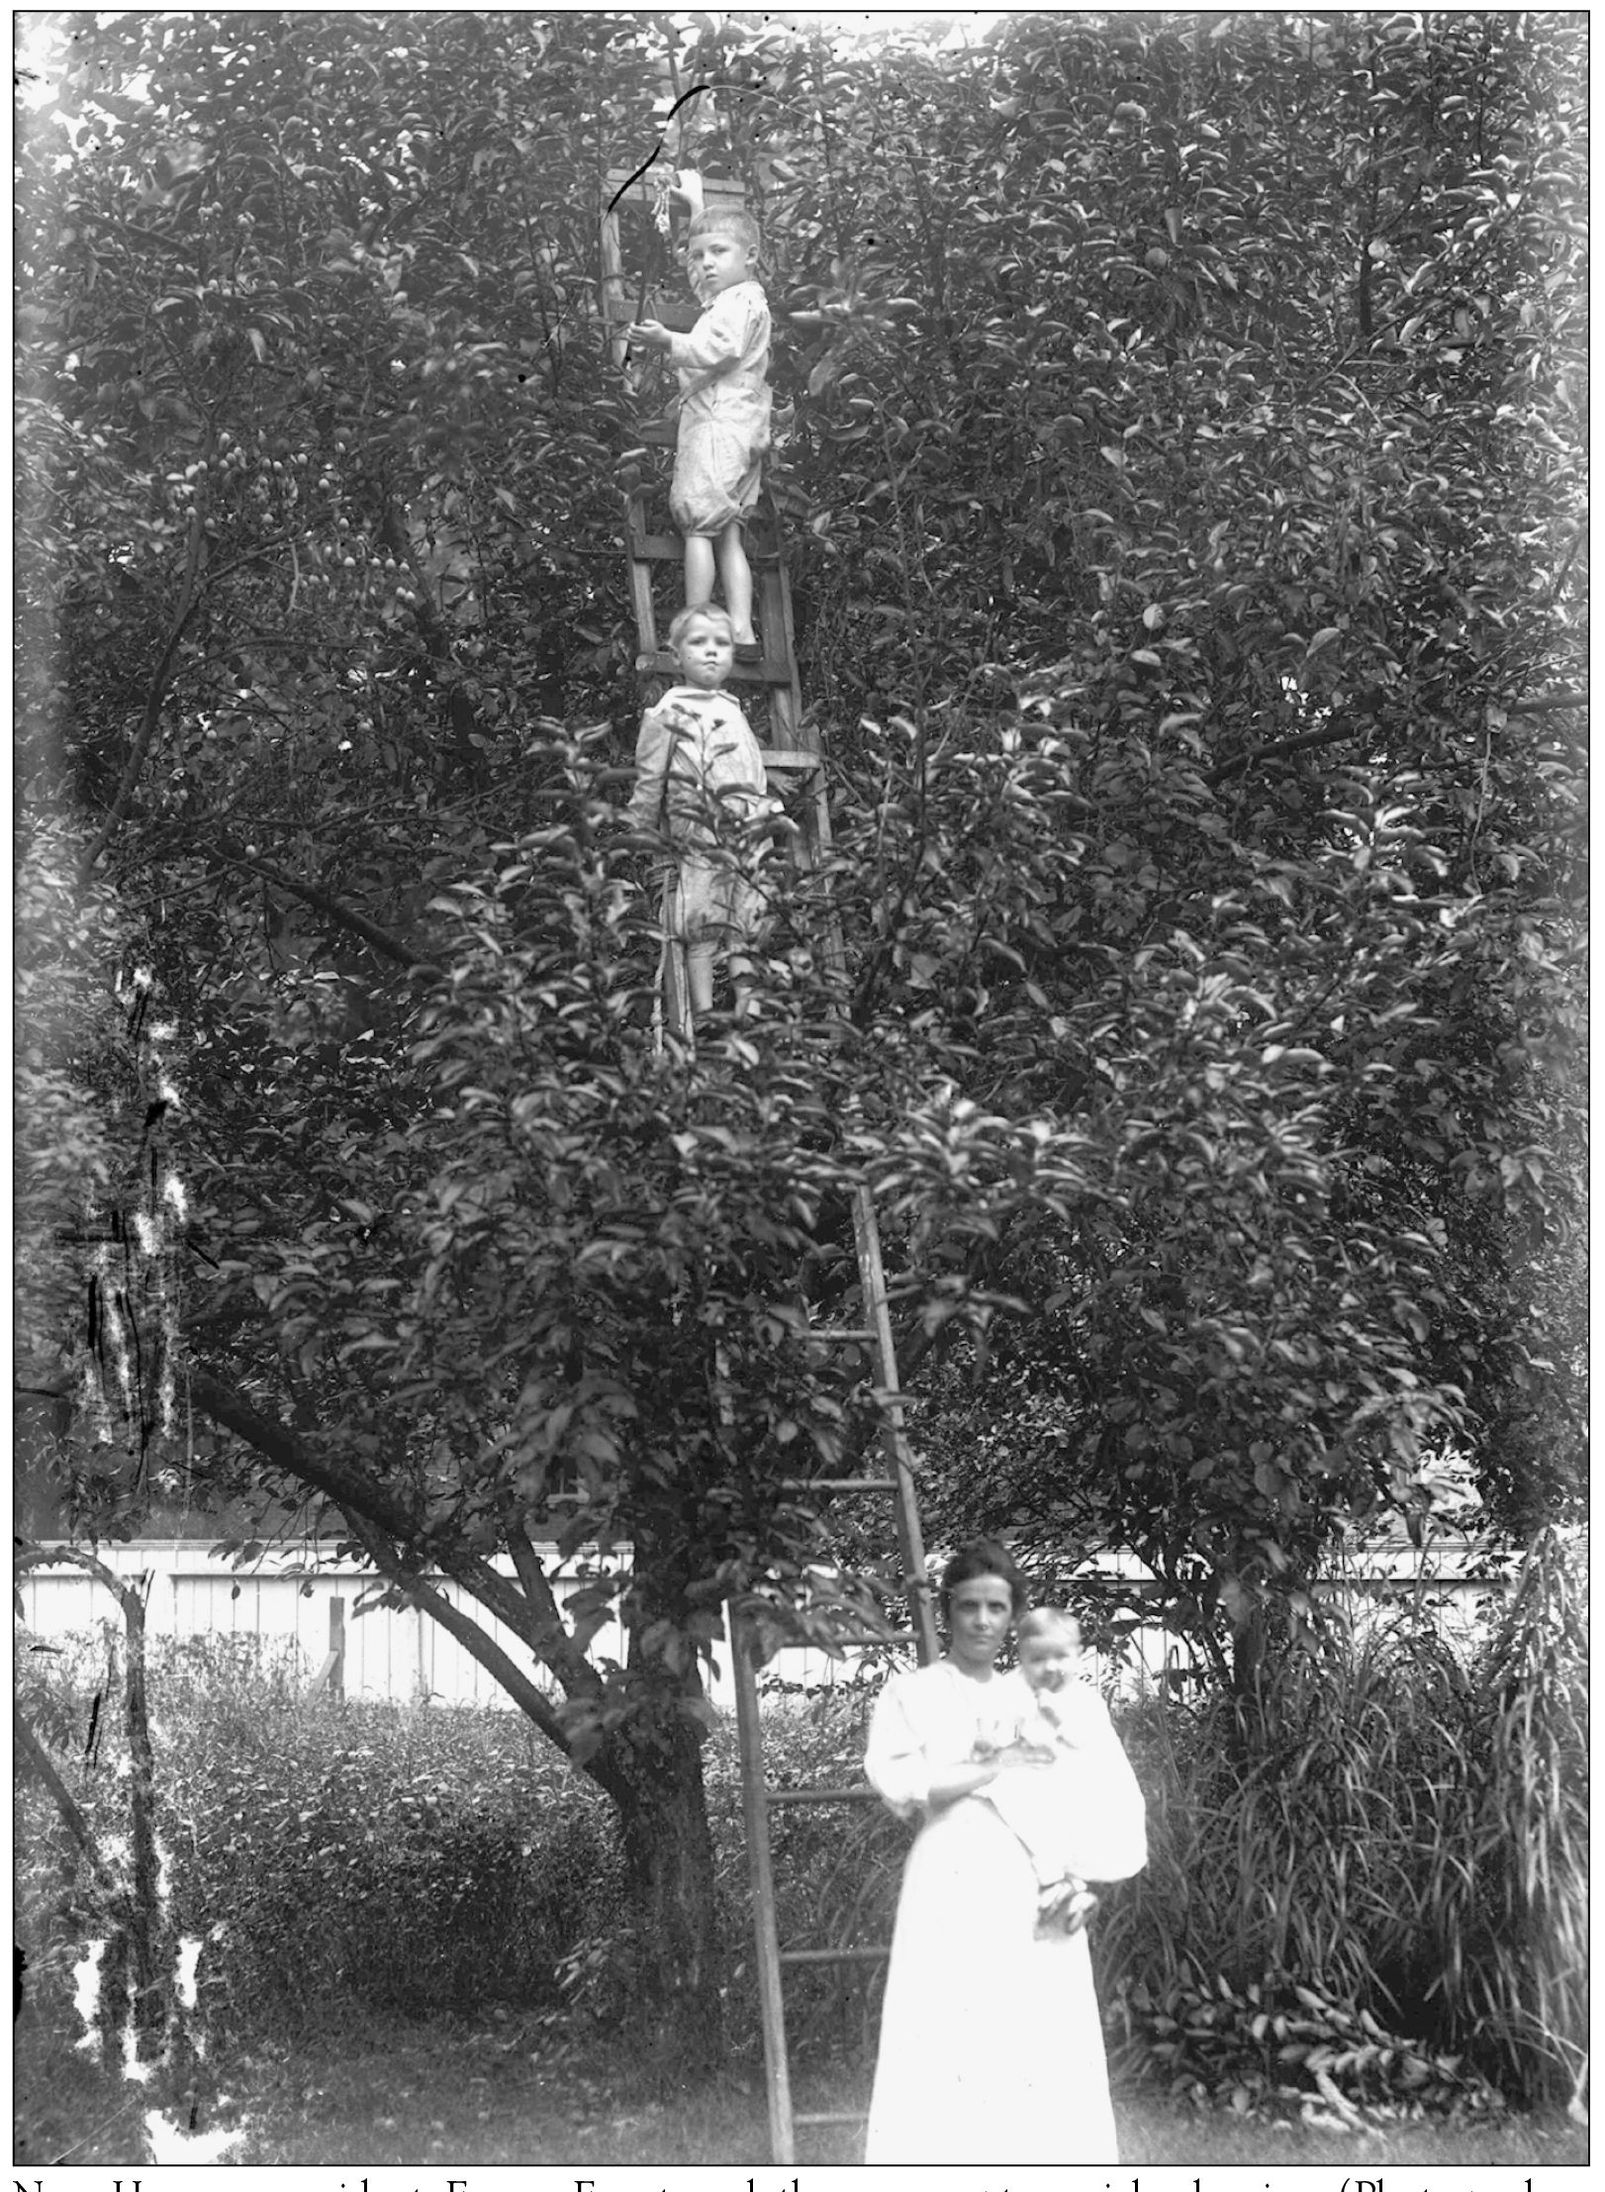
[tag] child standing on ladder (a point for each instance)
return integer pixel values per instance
(724, 403)
(700, 779)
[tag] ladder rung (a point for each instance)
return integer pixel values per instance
(834, 1955)
(853, 1795)
(791, 757)
(830, 2116)
(838, 1331)
(656, 547)
(869, 1640)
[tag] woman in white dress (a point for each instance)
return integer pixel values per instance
(991, 2047)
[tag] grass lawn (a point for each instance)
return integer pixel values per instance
(1153, 2129)
(501, 2092)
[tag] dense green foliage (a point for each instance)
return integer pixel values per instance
(1179, 517)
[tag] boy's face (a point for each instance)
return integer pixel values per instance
(705, 653)
(715, 261)
(1052, 1659)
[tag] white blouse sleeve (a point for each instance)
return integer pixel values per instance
(895, 1759)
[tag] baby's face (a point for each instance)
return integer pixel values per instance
(715, 262)
(705, 652)
(1049, 1662)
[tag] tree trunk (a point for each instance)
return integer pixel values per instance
(654, 1776)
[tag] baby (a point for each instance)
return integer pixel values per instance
(700, 779)
(724, 403)
(1067, 1727)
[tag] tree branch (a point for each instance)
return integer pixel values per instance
(468, 1633)
(365, 1503)
(35, 1755)
(58, 1556)
(190, 599)
(1546, 703)
(555, 1645)
(1333, 735)
(347, 1487)
(1329, 737)
(311, 894)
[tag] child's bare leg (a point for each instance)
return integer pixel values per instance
(699, 568)
(736, 573)
(744, 983)
(699, 975)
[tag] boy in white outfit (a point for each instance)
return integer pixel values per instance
(700, 780)
(1068, 1725)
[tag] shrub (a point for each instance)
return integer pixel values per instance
(1287, 2050)
(413, 1859)
(409, 1859)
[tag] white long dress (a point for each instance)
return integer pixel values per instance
(991, 2048)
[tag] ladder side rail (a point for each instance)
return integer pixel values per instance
(673, 1006)
(789, 728)
(646, 618)
(872, 1274)
(754, 1802)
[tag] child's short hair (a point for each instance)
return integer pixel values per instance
(683, 619)
(1048, 1621)
(727, 221)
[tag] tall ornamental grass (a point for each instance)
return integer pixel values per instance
(1400, 1825)
(1528, 1991)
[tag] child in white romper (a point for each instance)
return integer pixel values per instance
(700, 779)
(723, 367)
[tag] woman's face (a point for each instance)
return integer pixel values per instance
(978, 1616)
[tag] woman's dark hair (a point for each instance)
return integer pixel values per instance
(983, 1556)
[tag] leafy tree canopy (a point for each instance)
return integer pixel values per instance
(1180, 520)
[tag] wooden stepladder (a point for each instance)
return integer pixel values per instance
(793, 750)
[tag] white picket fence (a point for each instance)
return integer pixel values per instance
(295, 1596)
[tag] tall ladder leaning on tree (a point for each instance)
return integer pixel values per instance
(794, 754)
